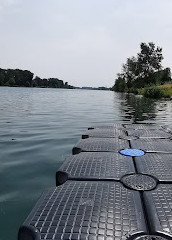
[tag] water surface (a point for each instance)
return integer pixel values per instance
(39, 127)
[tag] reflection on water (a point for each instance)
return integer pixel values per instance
(39, 127)
(136, 108)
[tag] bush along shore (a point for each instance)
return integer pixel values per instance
(161, 91)
(144, 74)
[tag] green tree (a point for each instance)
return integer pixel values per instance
(149, 59)
(45, 82)
(120, 85)
(11, 82)
(55, 83)
(162, 76)
(37, 82)
(130, 71)
(66, 85)
(22, 77)
(140, 71)
(2, 77)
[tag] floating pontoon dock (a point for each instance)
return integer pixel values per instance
(117, 185)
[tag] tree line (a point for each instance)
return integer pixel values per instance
(25, 78)
(142, 71)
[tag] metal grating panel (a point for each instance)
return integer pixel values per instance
(157, 165)
(87, 210)
(100, 145)
(159, 204)
(98, 165)
(104, 133)
(158, 145)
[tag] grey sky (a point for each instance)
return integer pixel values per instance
(83, 42)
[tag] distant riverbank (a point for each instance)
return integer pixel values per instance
(25, 78)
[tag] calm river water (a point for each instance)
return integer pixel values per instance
(39, 127)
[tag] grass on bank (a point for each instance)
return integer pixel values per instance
(167, 89)
(161, 91)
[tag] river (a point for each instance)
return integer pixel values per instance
(39, 127)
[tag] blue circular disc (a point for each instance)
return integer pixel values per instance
(132, 152)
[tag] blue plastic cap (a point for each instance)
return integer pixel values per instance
(132, 152)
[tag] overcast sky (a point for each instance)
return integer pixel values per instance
(83, 42)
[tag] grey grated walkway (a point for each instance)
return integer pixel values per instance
(100, 145)
(153, 145)
(107, 126)
(88, 210)
(105, 133)
(148, 133)
(142, 126)
(157, 165)
(97, 165)
(101, 194)
(159, 203)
